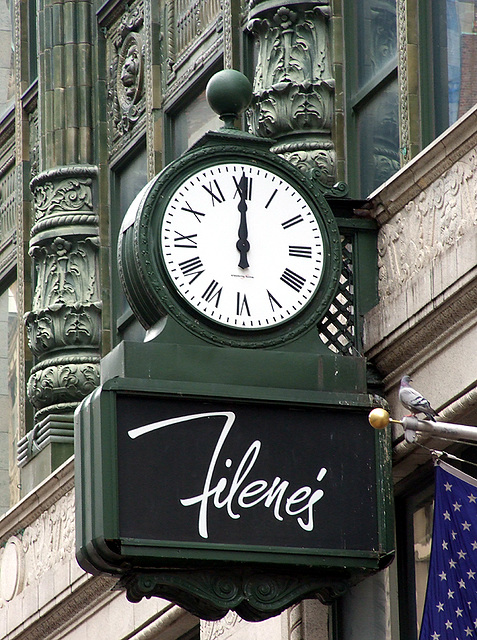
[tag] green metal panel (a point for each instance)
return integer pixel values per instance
(97, 494)
(96, 481)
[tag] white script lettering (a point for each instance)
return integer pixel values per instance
(223, 494)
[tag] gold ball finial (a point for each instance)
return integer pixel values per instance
(379, 418)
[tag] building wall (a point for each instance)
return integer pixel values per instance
(113, 94)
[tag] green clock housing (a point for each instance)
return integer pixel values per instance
(233, 243)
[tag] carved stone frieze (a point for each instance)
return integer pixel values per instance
(435, 220)
(50, 539)
(46, 542)
(126, 93)
(426, 266)
(223, 628)
(293, 98)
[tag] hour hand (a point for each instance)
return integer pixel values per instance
(243, 245)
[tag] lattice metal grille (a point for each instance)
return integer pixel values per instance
(338, 329)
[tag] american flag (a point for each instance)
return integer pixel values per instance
(450, 610)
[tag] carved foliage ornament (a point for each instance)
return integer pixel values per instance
(58, 383)
(294, 89)
(66, 196)
(294, 47)
(66, 273)
(287, 106)
(64, 326)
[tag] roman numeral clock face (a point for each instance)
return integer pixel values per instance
(242, 246)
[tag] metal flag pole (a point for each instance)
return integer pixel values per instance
(380, 418)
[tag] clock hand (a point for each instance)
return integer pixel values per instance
(243, 245)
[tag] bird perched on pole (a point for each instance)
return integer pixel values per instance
(414, 401)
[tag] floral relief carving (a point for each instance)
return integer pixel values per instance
(294, 88)
(59, 383)
(64, 324)
(69, 195)
(66, 273)
(210, 630)
(61, 326)
(50, 539)
(294, 47)
(428, 225)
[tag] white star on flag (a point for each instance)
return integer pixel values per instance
(451, 588)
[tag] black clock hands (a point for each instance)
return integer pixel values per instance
(243, 245)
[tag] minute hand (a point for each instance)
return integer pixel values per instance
(243, 244)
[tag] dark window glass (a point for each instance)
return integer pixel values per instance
(9, 372)
(7, 75)
(414, 511)
(32, 40)
(130, 178)
(454, 40)
(372, 92)
(378, 138)
(191, 122)
(376, 37)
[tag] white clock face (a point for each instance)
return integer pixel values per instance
(242, 246)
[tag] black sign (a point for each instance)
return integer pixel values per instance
(230, 473)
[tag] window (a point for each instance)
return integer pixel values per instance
(7, 76)
(422, 529)
(452, 30)
(32, 41)
(9, 328)
(372, 93)
(414, 514)
(129, 178)
(191, 122)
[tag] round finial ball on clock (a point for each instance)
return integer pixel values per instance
(379, 418)
(229, 92)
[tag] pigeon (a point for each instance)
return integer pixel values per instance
(413, 400)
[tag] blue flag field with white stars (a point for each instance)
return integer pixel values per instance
(450, 610)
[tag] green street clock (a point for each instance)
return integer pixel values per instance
(233, 243)
(226, 463)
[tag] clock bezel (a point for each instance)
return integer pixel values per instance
(140, 244)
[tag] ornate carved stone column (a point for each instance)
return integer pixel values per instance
(64, 324)
(294, 87)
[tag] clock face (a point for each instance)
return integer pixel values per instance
(242, 246)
